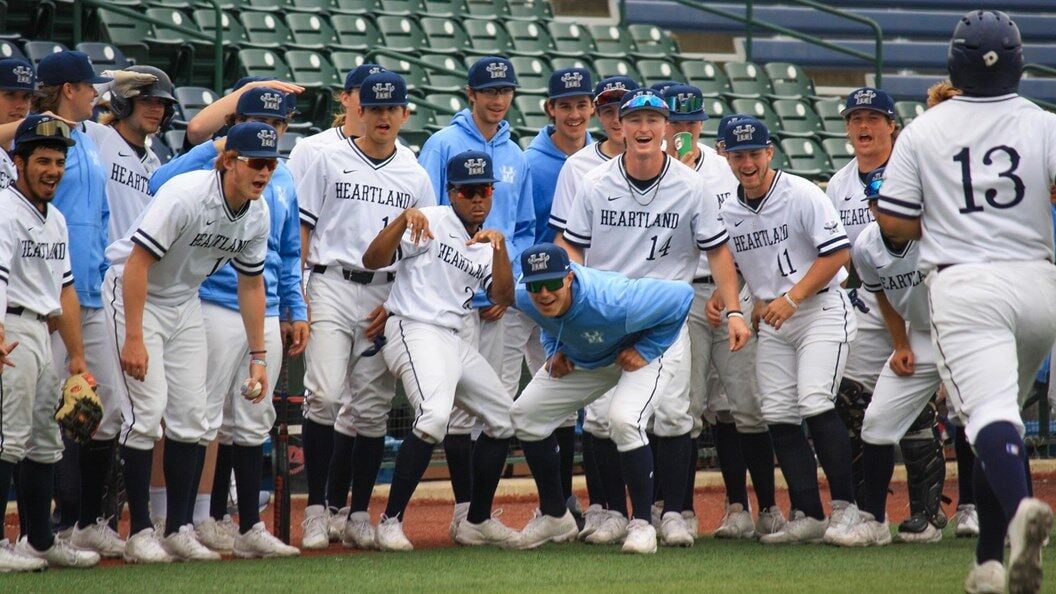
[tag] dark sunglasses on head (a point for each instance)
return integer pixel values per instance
(685, 103)
(553, 284)
(873, 189)
(52, 128)
(258, 163)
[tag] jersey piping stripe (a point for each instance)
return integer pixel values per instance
(773, 185)
(367, 160)
(839, 353)
(4, 273)
(33, 209)
(231, 215)
(652, 394)
(578, 240)
(601, 153)
(642, 192)
(414, 372)
(942, 354)
(2, 440)
(308, 218)
(253, 269)
(557, 222)
(714, 241)
(833, 245)
(67, 279)
(899, 208)
(148, 243)
(124, 377)
(873, 288)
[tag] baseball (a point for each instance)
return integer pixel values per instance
(250, 393)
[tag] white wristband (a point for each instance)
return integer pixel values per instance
(791, 301)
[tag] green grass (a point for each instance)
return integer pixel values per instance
(710, 566)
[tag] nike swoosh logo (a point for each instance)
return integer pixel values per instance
(453, 236)
(828, 308)
(210, 222)
(120, 154)
(351, 170)
(611, 198)
(738, 223)
(847, 198)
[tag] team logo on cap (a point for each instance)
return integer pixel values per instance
(572, 79)
(268, 138)
(375, 70)
(383, 90)
(683, 99)
(864, 97)
(23, 75)
(538, 261)
(271, 101)
(612, 86)
(744, 132)
(497, 69)
(990, 58)
(475, 166)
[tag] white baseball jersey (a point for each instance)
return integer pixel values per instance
(896, 273)
(720, 182)
(568, 181)
(657, 232)
(308, 148)
(8, 173)
(347, 198)
(128, 176)
(787, 231)
(985, 165)
(847, 193)
(438, 277)
(192, 232)
(34, 256)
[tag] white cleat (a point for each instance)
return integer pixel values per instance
(389, 535)
(61, 554)
(218, 536)
(866, 533)
(1027, 533)
(966, 521)
(612, 530)
(99, 537)
(12, 561)
(930, 534)
(315, 533)
(799, 530)
(542, 529)
(359, 532)
(673, 531)
(460, 513)
(736, 523)
(988, 578)
(592, 519)
(770, 521)
(259, 543)
(489, 532)
(336, 522)
(184, 546)
(641, 538)
(656, 514)
(692, 523)
(145, 547)
(844, 517)
(65, 533)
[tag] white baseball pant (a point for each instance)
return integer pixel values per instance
(870, 350)
(104, 364)
(671, 416)
(30, 393)
(897, 400)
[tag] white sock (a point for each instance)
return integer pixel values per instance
(157, 504)
(201, 507)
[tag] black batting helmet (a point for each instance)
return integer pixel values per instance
(162, 88)
(986, 54)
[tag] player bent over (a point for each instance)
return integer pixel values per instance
(36, 289)
(196, 224)
(442, 257)
(601, 331)
(791, 248)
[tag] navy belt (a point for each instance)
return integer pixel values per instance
(18, 311)
(704, 280)
(355, 276)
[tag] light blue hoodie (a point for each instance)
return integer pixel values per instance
(512, 210)
(81, 198)
(546, 161)
(282, 267)
(611, 312)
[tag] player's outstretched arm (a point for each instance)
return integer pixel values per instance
(212, 117)
(382, 251)
(818, 276)
(251, 304)
(134, 359)
(501, 291)
(68, 325)
(720, 260)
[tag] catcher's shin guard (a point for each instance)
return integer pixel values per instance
(925, 472)
(851, 402)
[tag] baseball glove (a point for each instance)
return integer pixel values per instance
(81, 411)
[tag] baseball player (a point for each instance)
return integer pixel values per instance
(443, 256)
(602, 332)
(987, 251)
(197, 223)
(361, 184)
(722, 387)
(791, 248)
(490, 86)
(648, 215)
(36, 288)
(215, 116)
(243, 426)
(17, 84)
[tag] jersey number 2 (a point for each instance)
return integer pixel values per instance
(964, 158)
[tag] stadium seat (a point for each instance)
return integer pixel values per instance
(345, 62)
(558, 62)
(788, 81)
(530, 39)
(832, 122)
(104, 56)
(654, 70)
(840, 151)
(443, 8)
(534, 113)
(780, 160)
(515, 117)
(356, 7)
(310, 6)
(797, 118)
(747, 81)
(128, 34)
(445, 36)
(533, 74)
(528, 10)
(8, 49)
(412, 73)
(287, 142)
(313, 71)
(653, 42)
(234, 34)
(164, 152)
(611, 41)
(275, 6)
(907, 110)
(761, 109)
(192, 100)
(262, 62)
(265, 30)
(402, 34)
(356, 33)
(36, 50)
(483, 9)
(442, 82)
(807, 158)
(606, 67)
(487, 38)
(570, 39)
(420, 118)
(705, 75)
(524, 141)
(414, 139)
(311, 32)
(447, 104)
(401, 7)
(715, 107)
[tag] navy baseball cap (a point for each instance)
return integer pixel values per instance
(869, 98)
(612, 89)
(253, 139)
(491, 72)
(355, 77)
(686, 103)
(382, 89)
(470, 168)
(263, 102)
(661, 86)
(17, 75)
(642, 100)
(745, 134)
(570, 82)
(725, 121)
(874, 180)
(38, 127)
(245, 80)
(543, 261)
(68, 66)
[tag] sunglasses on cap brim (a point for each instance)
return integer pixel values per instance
(552, 284)
(873, 189)
(609, 96)
(258, 163)
(690, 104)
(649, 101)
(56, 129)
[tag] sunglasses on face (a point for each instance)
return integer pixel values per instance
(259, 163)
(52, 129)
(497, 92)
(685, 104)
(472, 191)
(552, 285)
